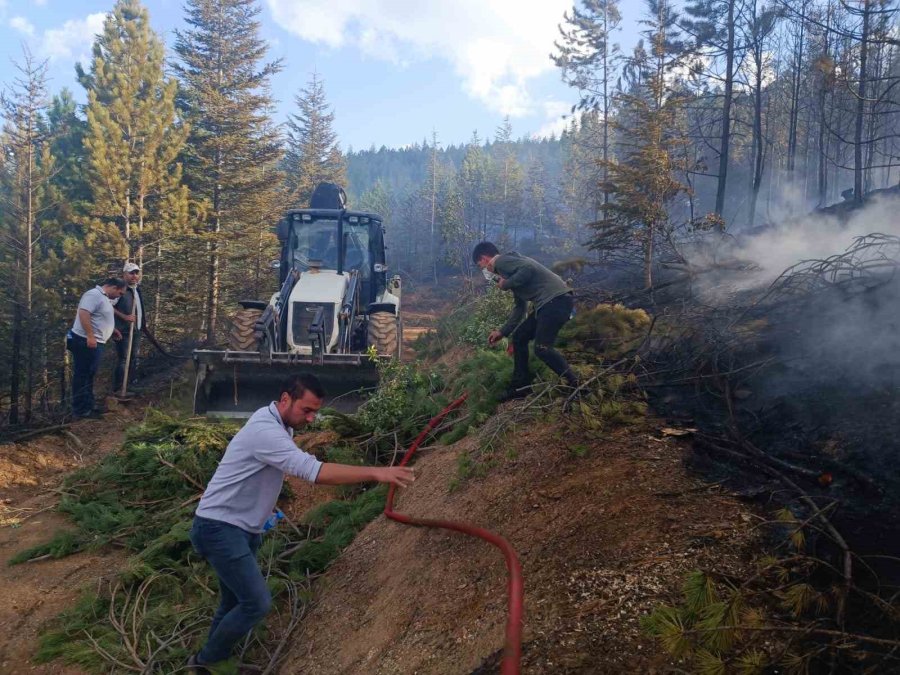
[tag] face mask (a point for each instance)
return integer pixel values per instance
(489, 276)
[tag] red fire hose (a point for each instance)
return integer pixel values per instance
(512, 651)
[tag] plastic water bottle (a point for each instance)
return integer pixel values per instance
(272, 520)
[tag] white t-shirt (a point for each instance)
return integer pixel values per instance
(103, 320)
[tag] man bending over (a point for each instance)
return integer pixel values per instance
(551, 306)
(241, 496)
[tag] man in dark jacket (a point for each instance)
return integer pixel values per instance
(551, 306)
(128, 310)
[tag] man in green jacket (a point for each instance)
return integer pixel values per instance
(551, 306)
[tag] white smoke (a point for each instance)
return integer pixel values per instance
(752, 261)
(817, 236)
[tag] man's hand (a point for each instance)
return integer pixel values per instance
(500, 283)
(127, 317)
(401, 476)
(91, 342)
(117, 335)
(494, 337)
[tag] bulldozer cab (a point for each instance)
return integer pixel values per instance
(338, 240)
(334, 317)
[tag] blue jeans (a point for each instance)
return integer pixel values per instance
(86, 362)
(245, 599)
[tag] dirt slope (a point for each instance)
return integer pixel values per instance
(602, 538)
(30, 475)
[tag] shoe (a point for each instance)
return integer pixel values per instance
(573, 395)
(513, 393)
(571, 379)
(194, 667)
(92, 415)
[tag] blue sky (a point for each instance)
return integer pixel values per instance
(393, 69)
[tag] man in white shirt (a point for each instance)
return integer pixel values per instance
(94, 325)
(241, 495)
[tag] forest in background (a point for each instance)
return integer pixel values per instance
(726, 116)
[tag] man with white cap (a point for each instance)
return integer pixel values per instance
(129, 311)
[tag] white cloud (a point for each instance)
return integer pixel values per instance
(72, 39)
(21, 24)
(494, 46)
(555, 123)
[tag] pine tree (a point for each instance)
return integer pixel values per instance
(26, 198)
(473, 185)
(761, 25)
(66, 130)
(234, 148)
(455, 232)
(313, 155)
(431, 187)
(536, 198)
(584, 183)
(508, 191)
(643, 178)
(380, 199)
(133, 137)
(714, 25)
(586, 58)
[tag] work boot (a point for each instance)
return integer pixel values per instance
(571, 378)
(571, 391)
(195, 667)
(515, 392)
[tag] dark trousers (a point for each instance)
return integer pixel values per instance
(542, 326)
(244, 597)
(86, 362)
(122, 354)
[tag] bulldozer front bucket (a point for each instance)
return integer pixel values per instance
(235, 384)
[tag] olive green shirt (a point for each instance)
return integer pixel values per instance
(529, 281)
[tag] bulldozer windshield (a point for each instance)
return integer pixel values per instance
(315, 243)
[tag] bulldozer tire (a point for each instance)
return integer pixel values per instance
(383, 333)
(244, 336)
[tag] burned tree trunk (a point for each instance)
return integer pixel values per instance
(858, 167)
(724, 143)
